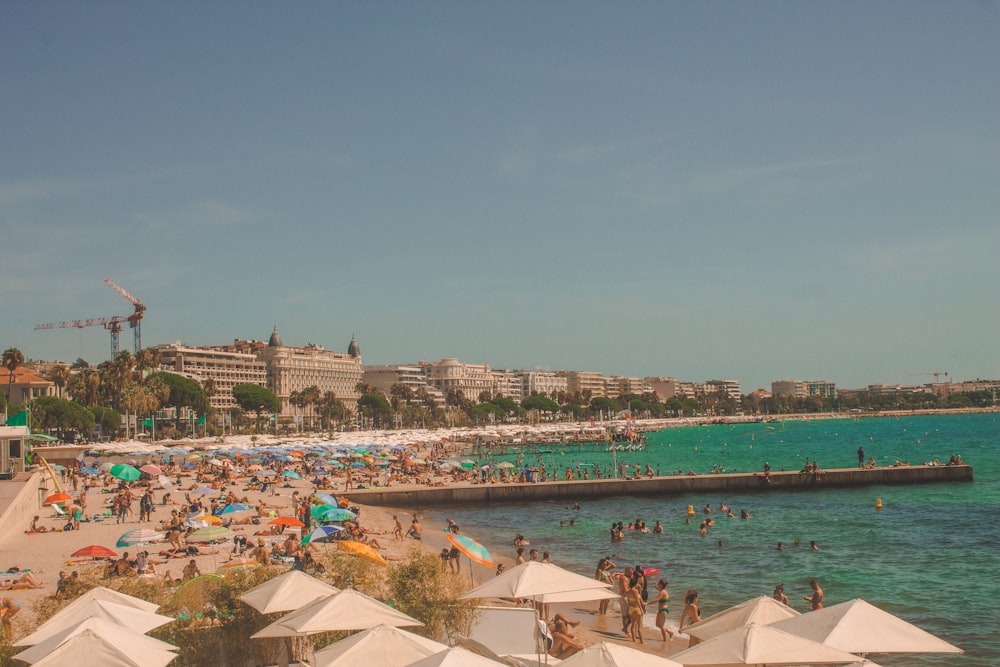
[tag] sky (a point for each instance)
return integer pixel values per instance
(704, 190)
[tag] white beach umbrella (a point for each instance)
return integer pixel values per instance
(288, 592)
(132, 618)
(108, 595)
(606, 654)
(763, 610)
(455, 657)
(583, 595)
(533, 580)
(346, 610)
(382, 645)
(860, 627)
(90, 648)
(133, 644)
(756, 644)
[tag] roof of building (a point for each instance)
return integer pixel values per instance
(275, 340)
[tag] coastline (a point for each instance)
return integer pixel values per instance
(46, 554)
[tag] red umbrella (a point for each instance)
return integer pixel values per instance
(57, 498)
(94, 551)
(286, 521)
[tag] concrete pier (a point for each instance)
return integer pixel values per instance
(496, 494)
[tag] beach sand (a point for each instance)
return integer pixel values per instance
(46, 554)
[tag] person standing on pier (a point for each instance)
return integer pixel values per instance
(861, 457)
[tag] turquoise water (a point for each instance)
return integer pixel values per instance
(930, 556)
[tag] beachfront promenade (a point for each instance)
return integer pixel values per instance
(496, 494)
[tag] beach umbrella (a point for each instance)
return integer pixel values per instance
(756, 644)
(287, 592)
(860, 627)
(606, 654)
(210, 534)
(456, 657)
(585, 595)
(57, 498)
(763, 610)
(321, 533)
(234, 507)
(361, 549)
(90, 470)
(152, 469)
(128, 616)
(336, 514)
(346, 610)
(532, 580)
(100, 650)
(203, 491)
(139, 536)
(208, 520)
(291, 474)
(133, 644)
(102, 593)
(267, 472)
(316, 511)
(326, 499)
(475, 551)
(94, 551)
(289, 521)
(382, 645)
(125, 472)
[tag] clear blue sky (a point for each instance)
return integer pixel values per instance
(749, 190)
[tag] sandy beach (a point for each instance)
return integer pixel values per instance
(46, 554)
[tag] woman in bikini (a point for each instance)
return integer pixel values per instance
(690, 613)
(636, 610)
(662, 600)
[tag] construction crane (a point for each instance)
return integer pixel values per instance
(112, 324)
(135, 319)
(936, 374)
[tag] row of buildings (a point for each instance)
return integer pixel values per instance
(288, 370)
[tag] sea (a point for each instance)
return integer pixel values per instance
(930, 555)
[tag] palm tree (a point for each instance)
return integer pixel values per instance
(12, 359)
(60, 376)
(310, 397)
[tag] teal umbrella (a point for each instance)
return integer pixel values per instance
(318, 510)
(337, 514)
(292, 474)
(125, 472)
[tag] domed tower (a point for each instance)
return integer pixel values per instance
(275, 340)
(354, 349)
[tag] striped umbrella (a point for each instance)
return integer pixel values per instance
(476, 552)
(321, 533)
(139, 536)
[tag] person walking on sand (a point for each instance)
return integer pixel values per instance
(816, 599)
(397, 529)
(691, 614)
(662, 601)
(636, 610)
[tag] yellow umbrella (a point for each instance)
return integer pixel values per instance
(363, 550)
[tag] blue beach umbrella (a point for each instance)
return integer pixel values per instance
(291, 474)
(321, 533)
(90, 471)
(326, 498)
(234, 507)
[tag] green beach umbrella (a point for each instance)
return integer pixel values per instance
(125, 472)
